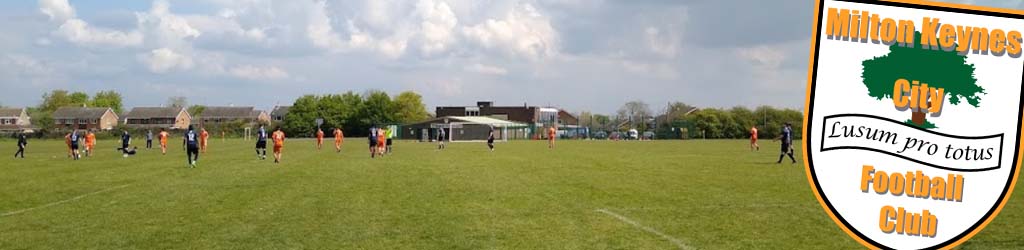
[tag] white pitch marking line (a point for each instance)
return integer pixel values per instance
(675, 241)
(63, 201)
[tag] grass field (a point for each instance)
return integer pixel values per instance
(582, 195)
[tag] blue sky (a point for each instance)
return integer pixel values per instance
(580, 55)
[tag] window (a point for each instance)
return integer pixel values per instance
(472, 111)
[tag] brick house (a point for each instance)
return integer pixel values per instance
(85, 118)
(216, 115)
(14, 120)
(158, 117)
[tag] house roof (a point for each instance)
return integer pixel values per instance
(229, 112)
(257, 113)
(13, 112)
(280, 111)
(566, 113)
(153, 112)
(80, 113)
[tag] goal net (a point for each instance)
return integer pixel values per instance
(473, 132)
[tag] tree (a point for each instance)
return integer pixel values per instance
(677, 110)
(603, 121)
(61, 98)
(79, 99)
(410, 107)
(302, 115)
(937, 68)
(177, 102)
(709, 122)
(377, 109)
(636, 113)
(108, 99)
(351, 106)
(586, 118)
(743, 119)
(196, 110)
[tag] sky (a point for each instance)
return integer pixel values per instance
(579, 55)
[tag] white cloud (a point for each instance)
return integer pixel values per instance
(321, 33)
(665, 44)
(486, 69)
(258, 73)
(58, 10)
(165, 29)
(766, 58)
(437, 27)
(81, 33)
(164, 60)
(524, 32)
(27, 65)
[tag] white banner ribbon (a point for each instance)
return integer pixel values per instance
(934, 149)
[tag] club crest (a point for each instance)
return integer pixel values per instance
(913, 119)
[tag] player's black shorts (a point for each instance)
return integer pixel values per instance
(74, 146)
(193, 149)
(261, 144)
(786, 147)
(373, 142)
(490, 140)
(388, 142)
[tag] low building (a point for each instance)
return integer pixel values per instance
(14, 120)
(279, 113)
(85, 118)
(158, 117)
(217, 115)
(464, 128)
(538, 116)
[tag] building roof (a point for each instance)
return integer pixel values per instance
(280, 111)
(80, 113)
(153, 112)
(473, 119)
(11, 112)
(485, 120)
(229, 112)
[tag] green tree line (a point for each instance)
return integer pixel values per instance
(679, 120)
(353, 113)
(735, 123)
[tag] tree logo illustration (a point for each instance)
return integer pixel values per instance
(937, 68)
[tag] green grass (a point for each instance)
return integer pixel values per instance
(708, 194)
